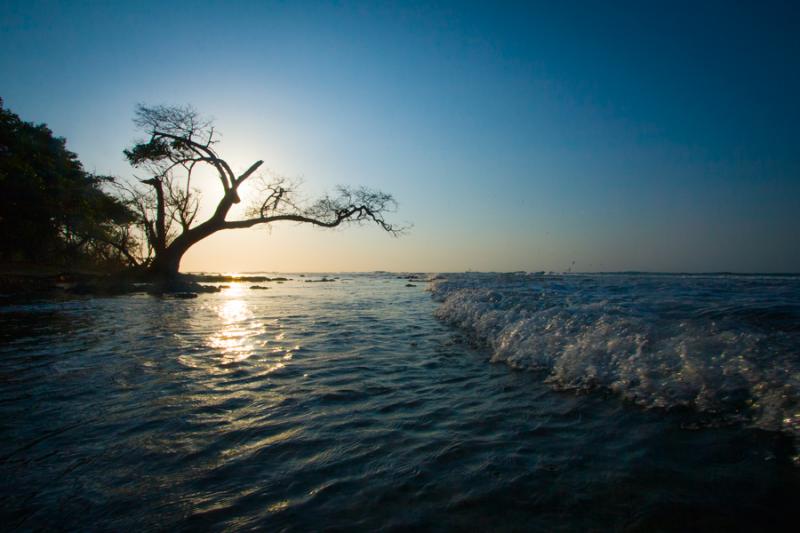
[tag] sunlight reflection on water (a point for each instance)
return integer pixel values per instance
(236, 338)
(239, 335)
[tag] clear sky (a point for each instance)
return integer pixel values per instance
(515, 136)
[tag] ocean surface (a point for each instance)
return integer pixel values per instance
(502, 402)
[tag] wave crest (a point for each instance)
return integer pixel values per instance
(720, 345)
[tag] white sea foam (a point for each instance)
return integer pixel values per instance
(722, 345)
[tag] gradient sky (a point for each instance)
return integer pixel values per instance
(621, 136)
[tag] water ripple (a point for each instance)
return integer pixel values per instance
(347, 405)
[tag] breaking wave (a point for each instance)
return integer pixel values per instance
(722, 345)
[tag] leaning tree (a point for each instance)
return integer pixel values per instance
(178, 142)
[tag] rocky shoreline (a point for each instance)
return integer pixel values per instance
(54, 283)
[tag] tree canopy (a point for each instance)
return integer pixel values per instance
(51, 210)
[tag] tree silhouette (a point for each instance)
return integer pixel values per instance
(179, 141)
(53, 212)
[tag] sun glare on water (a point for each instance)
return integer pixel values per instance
(240, 335)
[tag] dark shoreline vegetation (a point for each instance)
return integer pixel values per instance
(110, 233)
(44, 282)
(53, 213)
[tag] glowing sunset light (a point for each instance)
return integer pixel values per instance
(525, 138)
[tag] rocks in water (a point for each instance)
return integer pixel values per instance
(105, 287)
(179, 285)
(218, 278)
(414, 277)
(100, 284)
(410, 285)
(323, 280)
(258, 287)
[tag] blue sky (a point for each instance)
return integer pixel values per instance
(515, 136)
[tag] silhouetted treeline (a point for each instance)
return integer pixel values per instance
(53, 212)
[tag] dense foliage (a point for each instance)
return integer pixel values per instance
(52, 211)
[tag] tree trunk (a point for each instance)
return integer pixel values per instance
(161, 217)
(166, 264)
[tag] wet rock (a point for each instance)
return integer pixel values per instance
(217, 278)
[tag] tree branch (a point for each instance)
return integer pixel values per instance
(225, 173)
(247, 173)
(356, 214)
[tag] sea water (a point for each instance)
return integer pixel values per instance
(480, 402)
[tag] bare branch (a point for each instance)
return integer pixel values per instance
(359, 205)
(247, 173)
